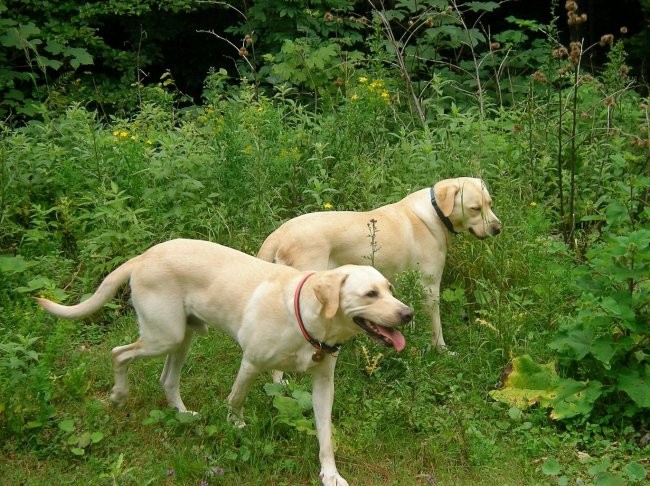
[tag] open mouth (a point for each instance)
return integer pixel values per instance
(389, 337)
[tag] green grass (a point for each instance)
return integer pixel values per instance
(418, 416)
(81, 199)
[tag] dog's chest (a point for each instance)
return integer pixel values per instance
(301, 360)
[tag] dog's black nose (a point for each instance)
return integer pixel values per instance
(496, 229)
(406, 314)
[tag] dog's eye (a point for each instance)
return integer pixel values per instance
(372, 294)
(476, 208)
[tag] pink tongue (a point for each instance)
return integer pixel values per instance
(394, 335)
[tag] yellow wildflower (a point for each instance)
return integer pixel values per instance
(328, 206)
(363, 79)
(377, 85)
(533, 204)
(354, 97)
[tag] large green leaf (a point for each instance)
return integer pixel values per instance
(571, 398)
(636, 384)
(526, 383)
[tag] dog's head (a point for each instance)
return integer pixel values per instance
(363, 297)
(468, 205)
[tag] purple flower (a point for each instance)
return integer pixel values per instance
(170, 472)
(218, 471)
(203, 483)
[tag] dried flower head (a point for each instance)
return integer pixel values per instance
(571, 5)
(560, 53)
(248, 40)
(243, 52)
(328, 17)
(575, 52)
(539, 77)
(624, 70)
(609, 102)
(495, 46)
(623, 30)
(606, 39)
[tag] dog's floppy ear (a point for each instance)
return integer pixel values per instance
(328, 290)
(445, 192)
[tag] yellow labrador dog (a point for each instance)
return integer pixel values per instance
(410, 234)
(281, 317)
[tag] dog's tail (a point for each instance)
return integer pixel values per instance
(269, 250)
(103, 294)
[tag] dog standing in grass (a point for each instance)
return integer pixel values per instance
(282, 318)
(410, 234)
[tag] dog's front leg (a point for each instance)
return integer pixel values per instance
(245, 378)
(322, 398)
(431, 282)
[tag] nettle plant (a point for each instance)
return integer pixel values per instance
(604, 349)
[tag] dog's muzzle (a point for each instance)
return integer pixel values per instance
(388, 336)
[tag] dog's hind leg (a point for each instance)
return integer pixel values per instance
(171, 374)
(245, 378)
(162, 331)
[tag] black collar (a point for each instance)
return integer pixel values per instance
(318, 346)
(445, 220)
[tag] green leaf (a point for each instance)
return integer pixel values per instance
(599, 467)
(67, 425)
(635, 471)
(603, 349)
(13, 264)
(273, 389)
(574, 398)
(609, 479)
(77, 451)
(526, 383)
(96, 437)
(303, 398)
(636, 384)
(187, 417)
(551, 467)
(84, 440)
(288, 407)
(515, 413)
(482, 6)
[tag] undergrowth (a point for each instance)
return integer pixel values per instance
(564, 284)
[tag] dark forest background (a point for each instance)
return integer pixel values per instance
(95, 51)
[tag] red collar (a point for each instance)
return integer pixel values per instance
(319, 346)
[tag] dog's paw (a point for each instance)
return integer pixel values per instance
(445, 350)
(118, 398)
(278, 377)
(333, 479)
(236, 420)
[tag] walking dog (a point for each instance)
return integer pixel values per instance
(282, 318)
(410, 234)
